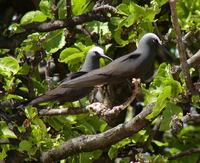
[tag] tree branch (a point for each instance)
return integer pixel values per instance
(13, 41)
(95, 14)
(192, 62)
(184, 153)
(88, 143)
(69, 8)
(181, 47)
(68, 111)
(98, 14)
(191, 118)
(5, 141)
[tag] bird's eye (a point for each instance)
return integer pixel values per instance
(96, 52)
(155, 40)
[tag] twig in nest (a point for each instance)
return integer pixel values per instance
(107, 113)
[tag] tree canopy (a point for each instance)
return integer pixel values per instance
(41, 41)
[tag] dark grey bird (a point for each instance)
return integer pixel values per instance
(72, 94)
(135, 64)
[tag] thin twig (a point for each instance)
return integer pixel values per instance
(181, 47)
(191, 118)
(5, 141)
(47, 74)
(69, 8)
(184, 153)
(64, 111)
(194, 60)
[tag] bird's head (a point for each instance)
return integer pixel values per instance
(92, 59)
(150, 39)
(97, 52)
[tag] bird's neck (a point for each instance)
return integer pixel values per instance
(147, 51)
(90, 64)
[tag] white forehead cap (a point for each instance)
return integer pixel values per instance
(97, 49)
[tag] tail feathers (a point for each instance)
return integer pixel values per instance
(40, 99)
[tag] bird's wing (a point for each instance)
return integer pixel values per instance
(132, 56)
(73, 75)
(116, 70)
(96, 77)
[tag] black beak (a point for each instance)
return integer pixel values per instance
(165, 54)
(105, 56)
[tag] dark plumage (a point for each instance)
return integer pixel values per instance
(72, 94)
(135, 64)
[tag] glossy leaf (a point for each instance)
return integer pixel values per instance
(9, 66)
(33, 16)
(54, 41)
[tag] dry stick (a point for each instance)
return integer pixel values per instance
(191, 118)
(181, 47)
(194, 60)
(4, 141)
(47, 74)
(64, 111)
(69, 8)
(184, 153)
(86, 143)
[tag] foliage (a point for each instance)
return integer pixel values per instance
(22, 77)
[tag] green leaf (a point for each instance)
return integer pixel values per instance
(123, 9)
(157, 159)
(70, 53)
(55, 40)
(33, 16)
(171, 109)
(74, 56)
(159, 143)
(113, 152)
(40, 123)
(79, 7)
(161, 90)
(4, 149)
(6, 132)
(161, 102)
(25, 145)
(24, 70)
(57, 122)
(13, 96)
(89, 157)
(31, 112)
(62, 9)
(8, 65)
(45, 7)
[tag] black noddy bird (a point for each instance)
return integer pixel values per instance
(73, 94)
(135, 64)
